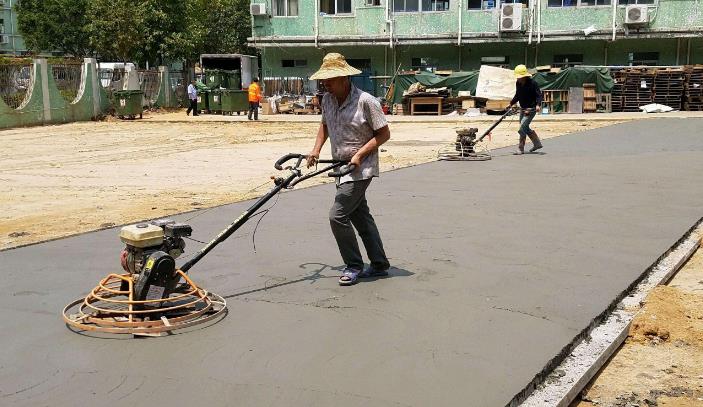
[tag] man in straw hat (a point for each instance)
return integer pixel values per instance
(354, 123)
(530, 97)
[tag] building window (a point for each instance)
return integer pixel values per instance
(435, 5)
(594, 2)
(425, 64)
(643, 58)
(500, 62)
(482, 4)
(406, 5)
(581, 3)
(626, 2)
(285, 8)
(372, 3)
(294, 63)
(525, 2)
(567, 60)
(362, 64)
(414, 5)
(336, 6)
(561, 3)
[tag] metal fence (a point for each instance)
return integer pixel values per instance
(179, 85)
(15, 82)
(111, 79)
(68, 79)
(285, 86)
(149, 82)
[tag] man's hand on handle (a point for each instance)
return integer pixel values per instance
(356, 161)
(312, 158)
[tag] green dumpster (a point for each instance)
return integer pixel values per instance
(234, 80)
(220, 78)
(215, 100)
(203, 99)
(128, 103)
(215, 78)
(234, 101)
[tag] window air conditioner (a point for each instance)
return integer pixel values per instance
(636, 14)
(258, 9)
(511, 17)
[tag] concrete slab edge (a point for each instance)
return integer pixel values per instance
(590, 351)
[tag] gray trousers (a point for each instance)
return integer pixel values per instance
(350, 211)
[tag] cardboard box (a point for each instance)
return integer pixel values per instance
(497, 104)
(468, 104)
(266, 107)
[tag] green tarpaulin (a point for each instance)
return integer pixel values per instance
(456, 81)
(575, 78)
(567, 78)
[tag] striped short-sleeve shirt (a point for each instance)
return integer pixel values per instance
(350, 126)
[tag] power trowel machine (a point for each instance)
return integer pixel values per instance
(153, 296)
(464, 148)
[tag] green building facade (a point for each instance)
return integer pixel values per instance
(377, 36)
(10, 39)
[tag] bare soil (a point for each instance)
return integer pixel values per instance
(661, 362)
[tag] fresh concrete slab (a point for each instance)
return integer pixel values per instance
(498, 266)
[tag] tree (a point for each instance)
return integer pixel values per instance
(139, 31)
(219, 26)
(54, 25)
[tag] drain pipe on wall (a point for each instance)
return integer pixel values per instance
(615, 12)
(458, 40)
(532, 21)
(539, 22)
(389, 22)
(317, 23)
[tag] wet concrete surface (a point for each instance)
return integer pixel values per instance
(497, 266)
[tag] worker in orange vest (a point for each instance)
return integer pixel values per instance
(254, 98)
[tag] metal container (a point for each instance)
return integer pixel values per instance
(215, 100)
(234, 101)
(128, 103)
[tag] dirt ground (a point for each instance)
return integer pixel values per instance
(661, 362)
(61, 180)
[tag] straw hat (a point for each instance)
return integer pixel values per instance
(521, 71)
(333, 66)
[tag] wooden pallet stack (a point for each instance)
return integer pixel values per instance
(669, 87)
(589, 97)
(616, 92)
(693, 92)
(637, 89)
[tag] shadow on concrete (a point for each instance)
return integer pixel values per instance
(317, 274)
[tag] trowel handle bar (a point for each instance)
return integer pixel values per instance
(342, 171)
(300, 157)
(490, 129)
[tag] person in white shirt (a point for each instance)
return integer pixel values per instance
(355, 125)
(193, 97)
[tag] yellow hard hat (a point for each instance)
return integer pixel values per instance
(521, 71)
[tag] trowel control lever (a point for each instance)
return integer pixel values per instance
(287, 157)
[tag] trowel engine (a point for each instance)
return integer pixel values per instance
(149, 257)
(466, 140)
